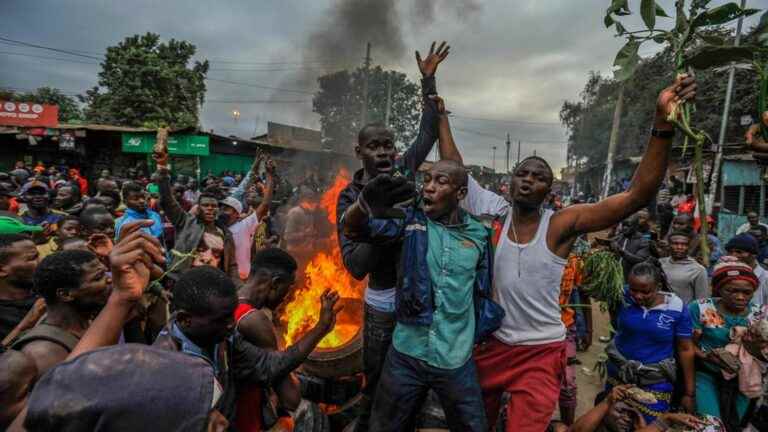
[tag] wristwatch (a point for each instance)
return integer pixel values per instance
(663, 133)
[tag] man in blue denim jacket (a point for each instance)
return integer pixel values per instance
(376, 150)
(442, 300)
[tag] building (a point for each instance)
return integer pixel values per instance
(95, 147)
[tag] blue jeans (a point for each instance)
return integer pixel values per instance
(404, 384)
(377, 337)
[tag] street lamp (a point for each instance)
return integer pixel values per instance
(493, 166)
(236, 115)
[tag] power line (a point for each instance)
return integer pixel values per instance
(529, 141)
(271, 70)
(258, 101)
(59, 50)
(48, 58)
(99, 56)
(260, 86)
(507, 121)
(246, 63)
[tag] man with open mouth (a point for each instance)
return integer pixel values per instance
(376, 150)
(442, 305)
(526, 356)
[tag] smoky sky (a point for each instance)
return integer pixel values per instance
(512, 63)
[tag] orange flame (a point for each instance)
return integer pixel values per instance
(325, 270)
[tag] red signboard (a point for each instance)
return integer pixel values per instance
(28, 114)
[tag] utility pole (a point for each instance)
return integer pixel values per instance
(612, 142)
(509, 144)
(367, 67)
(389, 99)
(724, 122)
(518, 153)
(493, 166)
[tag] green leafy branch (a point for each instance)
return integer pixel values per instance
(691, 49)
(156, 286)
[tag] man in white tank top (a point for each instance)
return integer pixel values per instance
(526, 356)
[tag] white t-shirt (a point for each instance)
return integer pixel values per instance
(761, 295)
(527, 277)
(242, 234)
(745, 228)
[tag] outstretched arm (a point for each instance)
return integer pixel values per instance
(168, 202)
(246, 183)
(446, 144)
(258, 365)
(263, 209)
(418, 151)
(579, 219)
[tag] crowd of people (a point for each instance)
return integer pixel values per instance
(147, 303)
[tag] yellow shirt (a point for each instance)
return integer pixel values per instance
(48, 248)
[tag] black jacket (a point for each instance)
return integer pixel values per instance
(635, 248)
(379, 262)
(239, 362)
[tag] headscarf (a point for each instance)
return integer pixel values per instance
(730, 269)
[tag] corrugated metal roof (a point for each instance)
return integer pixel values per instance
(102, 127)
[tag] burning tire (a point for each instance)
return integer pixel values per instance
(344, 360)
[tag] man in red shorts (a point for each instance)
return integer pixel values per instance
(526, 356)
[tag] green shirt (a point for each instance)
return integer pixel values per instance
(453, 253)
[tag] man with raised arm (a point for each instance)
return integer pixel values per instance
(376, 150)
(526, 356)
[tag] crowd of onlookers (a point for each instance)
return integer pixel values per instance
(60, 234)
(688, 328)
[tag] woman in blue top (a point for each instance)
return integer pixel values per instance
(652, 326)
(713, 319)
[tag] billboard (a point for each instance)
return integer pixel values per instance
(177, 144)
(28, 114)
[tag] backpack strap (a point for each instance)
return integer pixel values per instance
(48, 333)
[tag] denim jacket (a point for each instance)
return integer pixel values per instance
(414, 299)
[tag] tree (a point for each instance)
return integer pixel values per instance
(340, 99)
(144, 82)
(588, 120)
(69, 110)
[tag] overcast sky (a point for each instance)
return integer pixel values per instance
(512, 63)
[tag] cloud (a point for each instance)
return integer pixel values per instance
(510, 61)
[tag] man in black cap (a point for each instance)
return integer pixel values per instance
(36, 195)
(745, 247)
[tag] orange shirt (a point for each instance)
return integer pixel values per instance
(572, 276)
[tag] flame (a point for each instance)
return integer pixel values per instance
(325, 270)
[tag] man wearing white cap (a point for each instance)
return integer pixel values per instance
(230, 209)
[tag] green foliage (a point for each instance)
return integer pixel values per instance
(588, 119)
(339, 102)
(648, 13)
(604, 279)
(146, 82)
(683, 38)
(626, 60)
(69, 110)
(721, 15)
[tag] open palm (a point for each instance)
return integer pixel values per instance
(428, 66)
